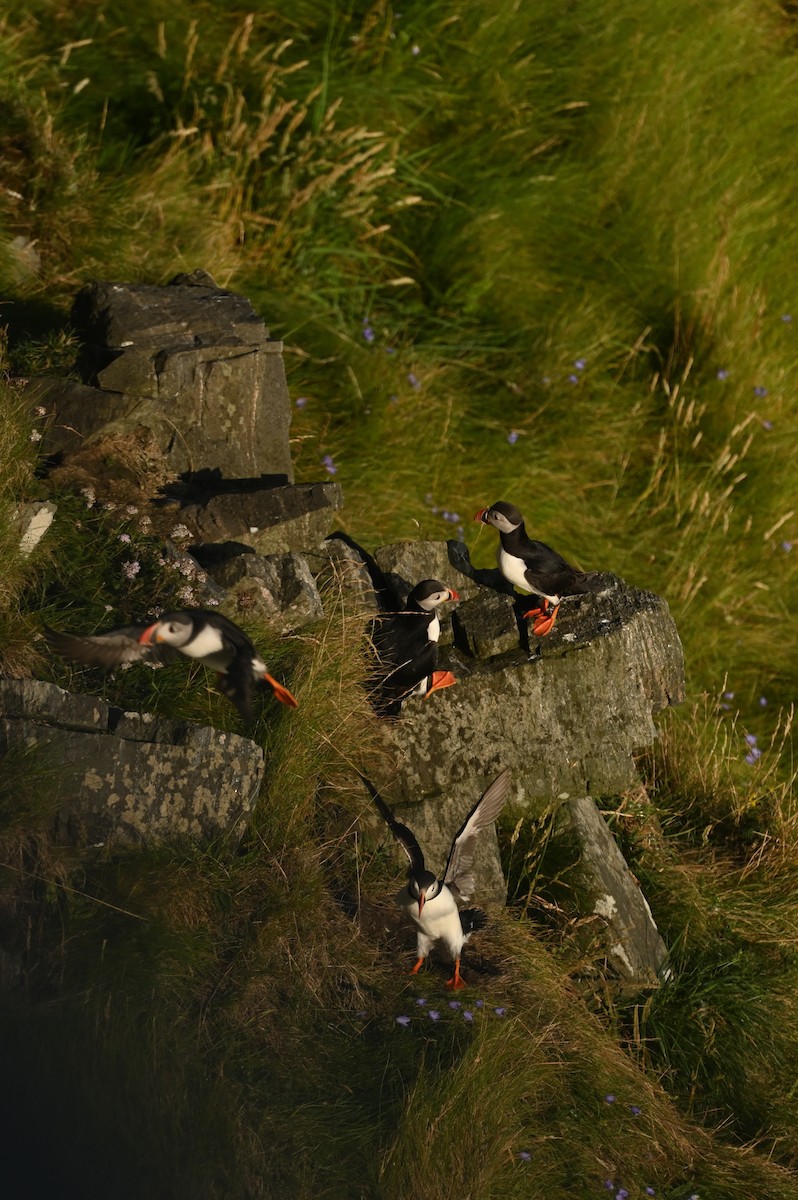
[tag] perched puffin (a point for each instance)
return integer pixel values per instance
(531, 565)
(432, 903)
(197, 633)
(406, 644)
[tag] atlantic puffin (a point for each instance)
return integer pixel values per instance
(431, 902)
(406, 644)
(197, 633)
(531, 565)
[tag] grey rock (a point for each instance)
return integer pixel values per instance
(406, 563)
(634, 947)
(33, 520)
(75, 413)
(272, 520)
(198, 590)
(278, 586)
(567, 722)
(50, 705)
(486, 625)
(126, 778)
(340, 566)
(191, 362)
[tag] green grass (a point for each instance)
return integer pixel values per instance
(535, 187)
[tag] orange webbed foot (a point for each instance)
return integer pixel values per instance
(457, 981)
(417, 967)
(544, 624)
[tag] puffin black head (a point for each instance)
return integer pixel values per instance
(503, 516)
(423, 886)
(429, 594)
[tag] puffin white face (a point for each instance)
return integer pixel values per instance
(174, 633)
(502, 521)
(423, 888)
(436, 598)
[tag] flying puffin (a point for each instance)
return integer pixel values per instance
(196, 633)
(406, 644)
(531, 565)
(432, 902)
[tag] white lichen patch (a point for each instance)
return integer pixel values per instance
(606, 907)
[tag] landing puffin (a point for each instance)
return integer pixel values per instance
(197, 633)
(406, 644)
(431, 902)
(531, 565)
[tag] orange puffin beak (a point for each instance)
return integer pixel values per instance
(440, 679)
(421, 900)
(452, 595)
(281, 693)
(481, 515)
(146, 638)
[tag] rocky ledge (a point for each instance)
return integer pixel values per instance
(122, 778)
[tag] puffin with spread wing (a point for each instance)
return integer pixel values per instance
(430, 901)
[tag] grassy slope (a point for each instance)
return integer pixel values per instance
(604, 186)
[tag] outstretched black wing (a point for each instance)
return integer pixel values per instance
(402, 834)
(108, 650)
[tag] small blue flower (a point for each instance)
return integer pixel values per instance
(621, 1194)
(753, 756)
(368, 333)
(415, 51)
(512, 437)
(500, 1012)
(525, 1156)
(760, 391)
(421, 1000)
(786, 317)
(404, 1021)
(762, 702)
(751, 739)
(580, 364)
(724, 707)
(414, 381)
(728, 695)
(329, 465)
(767, 425)
(786, 547)
(609, 1186)
(454, 1004)
(634, 1110)
(467, 1016)
(390, 349)
(722, 373)
(300, 402)
(433, 1014)
(650, 1191)
(573, 379)
(610, 1099)
(480, 1003)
